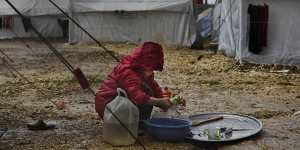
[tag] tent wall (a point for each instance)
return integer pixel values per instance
(169, 22)
(42, 13)
(216, 21)
(33, 7)
(47, 25)
(168, 28)
(230, 27)
(130, 5)
(283, 45)
(283, 33)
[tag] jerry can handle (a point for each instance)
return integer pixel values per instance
(122, 92)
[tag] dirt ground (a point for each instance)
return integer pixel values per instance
(209, 82)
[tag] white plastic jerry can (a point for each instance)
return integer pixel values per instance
(113, 132)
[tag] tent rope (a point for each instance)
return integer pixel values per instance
(16, 74)
(5, 55)
(85, 31)
(70, 67)
(109, 52)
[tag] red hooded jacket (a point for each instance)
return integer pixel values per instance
(128, 75)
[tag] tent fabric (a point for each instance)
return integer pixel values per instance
(216, 21)
(204, 28)
(42, 13)
(48, 26)
(165, 21)
(229, 27)
(129, 5)
(33, 7)
(204, 23)
(282, 35)
(168, 22)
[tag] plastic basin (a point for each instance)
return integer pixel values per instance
(168, 129)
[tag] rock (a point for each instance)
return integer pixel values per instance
(297, 113)
(60, 104)
(200, 57)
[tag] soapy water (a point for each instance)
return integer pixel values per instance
(173, 112)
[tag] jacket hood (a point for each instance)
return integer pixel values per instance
(149, 55)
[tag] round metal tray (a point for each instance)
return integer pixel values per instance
(251, 125)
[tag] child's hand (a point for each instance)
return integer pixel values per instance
(163, 103)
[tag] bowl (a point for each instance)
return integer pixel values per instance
(168, 129)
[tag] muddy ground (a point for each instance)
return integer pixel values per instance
(209, 82)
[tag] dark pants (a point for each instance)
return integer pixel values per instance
(145, 113)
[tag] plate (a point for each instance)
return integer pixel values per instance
(244, 126)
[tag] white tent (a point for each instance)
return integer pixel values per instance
(216, 21)
(42, 13)
(166, 21)
(283, 44)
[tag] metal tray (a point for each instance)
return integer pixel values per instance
(235, 121)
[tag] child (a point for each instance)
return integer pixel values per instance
(135, 75)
